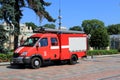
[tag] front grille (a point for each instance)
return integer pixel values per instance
(16, 55)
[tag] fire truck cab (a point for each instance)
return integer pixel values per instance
(51, 45)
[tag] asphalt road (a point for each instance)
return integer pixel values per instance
(98, 68)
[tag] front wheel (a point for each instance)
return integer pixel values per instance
(73, 60)
(36, 62)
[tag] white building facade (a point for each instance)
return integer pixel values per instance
(25, 32)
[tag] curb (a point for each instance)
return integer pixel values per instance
(4, 63)
(99, 56)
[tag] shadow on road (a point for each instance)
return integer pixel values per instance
(17, 67)
(47, 64)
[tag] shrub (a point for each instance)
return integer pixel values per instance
(5, 57)
(102, 52)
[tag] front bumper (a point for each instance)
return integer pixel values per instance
(20, 60)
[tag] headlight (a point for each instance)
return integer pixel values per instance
(24, 54)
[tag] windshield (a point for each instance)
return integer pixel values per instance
(30, 41)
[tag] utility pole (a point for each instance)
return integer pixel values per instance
(60, 17)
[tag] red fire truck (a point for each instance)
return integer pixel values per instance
(51, 45)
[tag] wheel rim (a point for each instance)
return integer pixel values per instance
(36, 63)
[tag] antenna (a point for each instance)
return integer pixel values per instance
(60, 17)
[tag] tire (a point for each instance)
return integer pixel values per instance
(73, 59)
(36, 63)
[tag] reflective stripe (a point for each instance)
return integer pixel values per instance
(57, 47)
(66, 46)
(54, 47)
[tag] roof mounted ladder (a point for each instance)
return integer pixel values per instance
(48, 30)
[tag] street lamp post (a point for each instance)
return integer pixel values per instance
(89, 35)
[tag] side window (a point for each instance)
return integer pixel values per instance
(54, 42)
(44, 42)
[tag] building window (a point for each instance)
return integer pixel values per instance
(21, 29)
(7, 28)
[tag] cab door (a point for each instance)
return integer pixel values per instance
(43, 48)
(54, 48)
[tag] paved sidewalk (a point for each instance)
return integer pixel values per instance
(99, 68)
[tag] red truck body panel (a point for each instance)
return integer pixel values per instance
(65, 52)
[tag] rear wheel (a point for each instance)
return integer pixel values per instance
(36, 62)
(73, 59)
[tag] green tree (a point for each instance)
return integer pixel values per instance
(3, 38)
(91, 25)
(52, 26)
(114, 29)
(31, 24)
(99, 38)
(76, 28)
(11, 12)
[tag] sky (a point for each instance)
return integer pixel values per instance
(73, 12)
